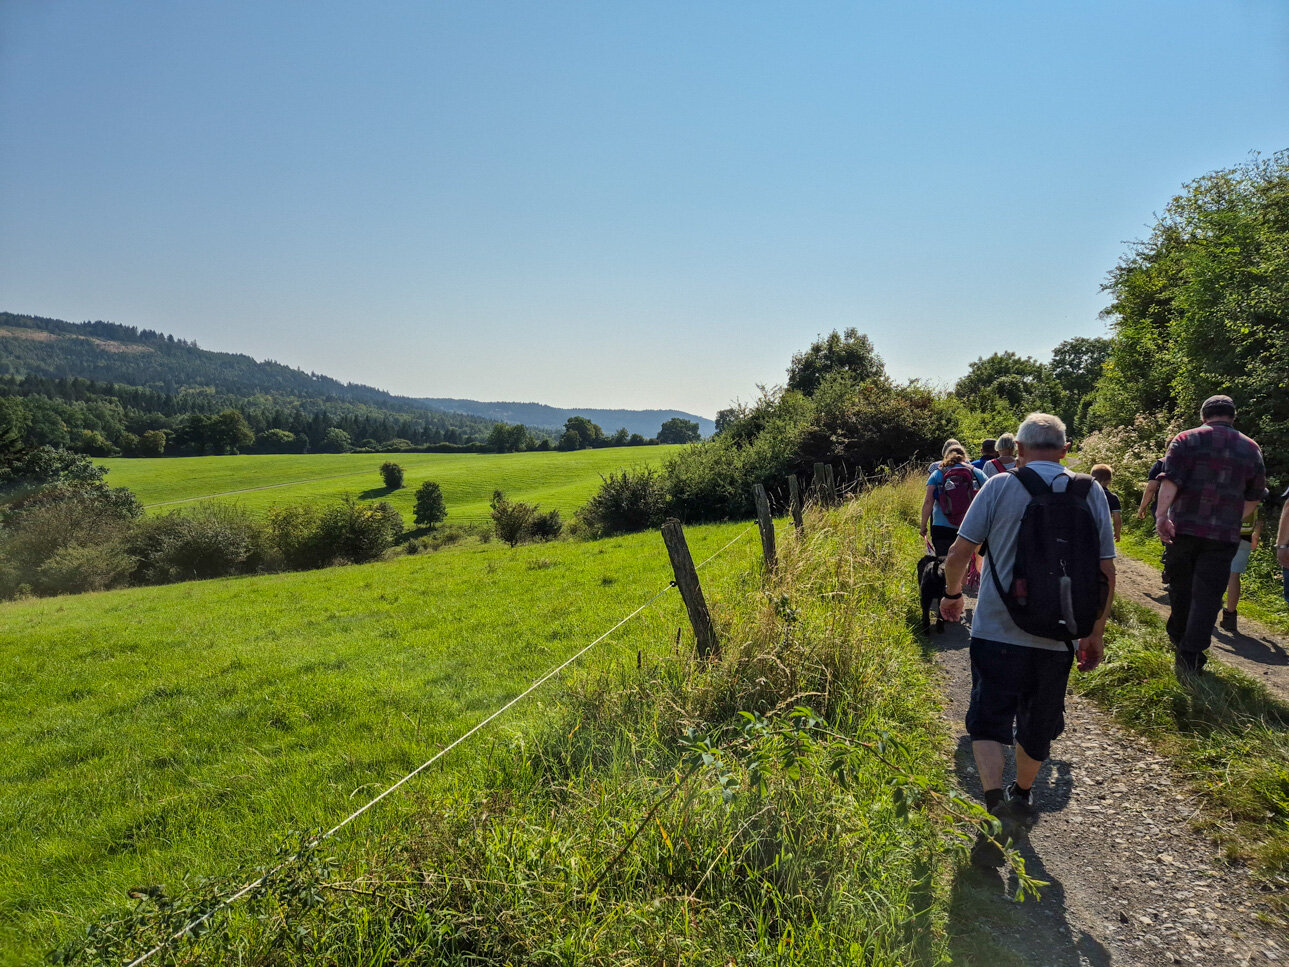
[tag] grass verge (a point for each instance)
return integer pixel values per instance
(786, 804)
(1225, 734)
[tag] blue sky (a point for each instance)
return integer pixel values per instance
(609, 203)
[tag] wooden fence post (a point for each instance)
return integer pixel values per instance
(766, 523)
(682, 565)
(817, 484)
(830, 482)
(794, 500)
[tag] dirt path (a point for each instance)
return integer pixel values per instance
(1255, 650)
(1130, 884)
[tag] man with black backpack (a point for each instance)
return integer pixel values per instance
(1048, 583)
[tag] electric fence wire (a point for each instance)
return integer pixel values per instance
(264, 878)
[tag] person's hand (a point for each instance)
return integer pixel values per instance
(1091, 651)
(1282, 556)
(922, 530)
(951, 609)
(1166, 529)
(1141, 513)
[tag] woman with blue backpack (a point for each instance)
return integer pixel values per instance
(949, 492)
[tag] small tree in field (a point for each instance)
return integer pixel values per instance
(430, 508)
(513, 521)
(392, 474)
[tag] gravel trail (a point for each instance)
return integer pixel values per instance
(1130, 883)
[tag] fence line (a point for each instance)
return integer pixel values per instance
(264, 878)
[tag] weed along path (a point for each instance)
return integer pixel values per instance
(1255, 649)
(1130, 884)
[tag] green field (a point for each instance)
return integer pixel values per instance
(150, 733)
(556, 481)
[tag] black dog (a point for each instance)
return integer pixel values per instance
(931, 583)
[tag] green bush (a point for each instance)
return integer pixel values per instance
(212, 540)
(84, 567)
(392, 474)
(547, 526)
(355, 532)
(512, 520)
(625, 502)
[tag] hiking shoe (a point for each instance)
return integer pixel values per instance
(1228, 620)
(985, 852)
(1020, 807)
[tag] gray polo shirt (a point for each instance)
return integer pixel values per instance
(994, 516)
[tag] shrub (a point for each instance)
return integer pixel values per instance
(392, 474)
(625, 503)
(356, 532)
(85, 567)
(546, 527)
(430, 508)
(213, 540)
(513, 520)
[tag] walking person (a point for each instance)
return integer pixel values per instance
(1031, 518)
(1282, 543)
(1150, 498)
(988, 451)
(1250, 533)
(950, 488)
(1213, 478)
(1006, 458)
(1103, 473)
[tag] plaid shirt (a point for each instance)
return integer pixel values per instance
(1216, 469)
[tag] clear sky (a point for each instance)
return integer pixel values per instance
(607, 203)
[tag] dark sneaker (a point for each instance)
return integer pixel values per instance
(1228, 620)
(1188, 666)
(986, 852)
(1020, 807)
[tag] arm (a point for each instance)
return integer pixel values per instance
(1282, 536)
(1163, 526)
(1117, 517)
(1250, 506)
(955, 569)
(926, 508)
(1257, 535)
(1152, 488)
(1092, 646)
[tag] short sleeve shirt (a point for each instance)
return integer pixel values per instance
(995, 516)
(1216, 469)
(991, 468)
(1113, 500)
(936, 480)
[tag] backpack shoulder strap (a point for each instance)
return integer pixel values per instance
(1080, 485)
(999, 465)
(1032, 481)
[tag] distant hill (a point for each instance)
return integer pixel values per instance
(644, 422)
(100, 386)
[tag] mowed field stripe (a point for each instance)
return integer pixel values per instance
(251, 490)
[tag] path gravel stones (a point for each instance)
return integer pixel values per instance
(1130, 883)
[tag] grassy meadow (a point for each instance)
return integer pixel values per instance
(556, 481)
(653, 808)
(154, 733)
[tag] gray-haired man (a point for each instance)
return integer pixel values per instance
(1018, 679)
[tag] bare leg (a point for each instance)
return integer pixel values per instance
(1026, 768)
(1233, 592)
(989, 763)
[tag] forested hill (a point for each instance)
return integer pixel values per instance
(644, 422)
(110, 353)
(101, 388)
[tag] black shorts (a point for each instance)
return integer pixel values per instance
(1018, 694)
(942, 538)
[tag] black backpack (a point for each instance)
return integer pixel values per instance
(1057, 588)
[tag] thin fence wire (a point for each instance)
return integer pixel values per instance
(255, 884)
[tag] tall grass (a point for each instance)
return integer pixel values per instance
(785, 803)
(1226, 735)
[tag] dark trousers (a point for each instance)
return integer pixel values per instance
(942, 538)
(1199, 569)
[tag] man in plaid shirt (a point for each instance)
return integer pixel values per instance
(1213, 477)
